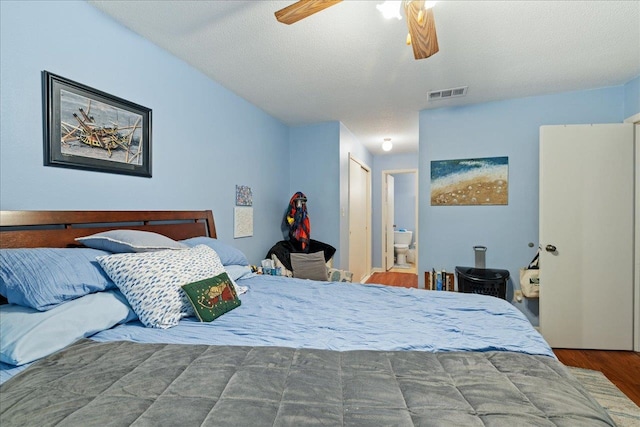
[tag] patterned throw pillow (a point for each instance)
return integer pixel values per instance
(212, 297)
(151, 281)
(336, 275)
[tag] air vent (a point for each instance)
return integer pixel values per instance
(448, 93)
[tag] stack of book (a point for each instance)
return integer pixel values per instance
(439, 280)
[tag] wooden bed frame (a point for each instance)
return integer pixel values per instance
(58, 229)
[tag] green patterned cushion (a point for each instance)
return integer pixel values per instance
(213, 297)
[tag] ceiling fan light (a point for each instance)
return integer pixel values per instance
(387, 145)
(390, 9)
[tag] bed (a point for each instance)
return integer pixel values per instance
(293, 352)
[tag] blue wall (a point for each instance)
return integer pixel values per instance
(205, 139)
(632, 97)
(507, 128)
(405, 199)
(381, 163)
(315, 170)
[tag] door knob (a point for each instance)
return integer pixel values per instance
(550, 248)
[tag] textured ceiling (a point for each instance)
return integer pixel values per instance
(347, 63)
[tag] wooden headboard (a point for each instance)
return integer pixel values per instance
(58, 229)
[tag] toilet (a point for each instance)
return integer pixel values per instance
(401, 242)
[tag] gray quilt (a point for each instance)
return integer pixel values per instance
(126, 383)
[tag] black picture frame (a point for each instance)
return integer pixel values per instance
(88, 129)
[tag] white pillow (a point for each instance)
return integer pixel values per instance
(120, 241)
(151, 281)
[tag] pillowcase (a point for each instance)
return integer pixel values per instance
(239, 272)
(309, 266)
(212, 297)
(42, 278)
(119, 241)
(228, 254)
(27, 334)
(151, 281)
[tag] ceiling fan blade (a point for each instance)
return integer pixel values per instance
(423, 34)
(301, 9)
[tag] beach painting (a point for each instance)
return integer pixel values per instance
(465, 182)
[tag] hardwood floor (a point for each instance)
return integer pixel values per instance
(621, 367)
(405, 280)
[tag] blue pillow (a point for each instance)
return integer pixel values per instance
(42, 278)
(228, 254)
(120, 241)
(27, 334)
(237, 272)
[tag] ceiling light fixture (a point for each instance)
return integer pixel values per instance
(391, 8)
(387, 145)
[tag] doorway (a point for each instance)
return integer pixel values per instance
(399, 212)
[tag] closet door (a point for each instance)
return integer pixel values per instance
(586, 235)
(359, 220)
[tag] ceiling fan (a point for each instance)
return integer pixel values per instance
(420, 21)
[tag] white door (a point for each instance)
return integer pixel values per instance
(359, 219)
(586, 215)
(389, 221)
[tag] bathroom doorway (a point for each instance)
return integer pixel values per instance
(399, 212)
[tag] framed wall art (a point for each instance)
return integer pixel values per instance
(86, 128)
(458, 182)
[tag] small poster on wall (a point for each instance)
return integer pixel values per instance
(461, 182)
(243, 221)
(244, 197)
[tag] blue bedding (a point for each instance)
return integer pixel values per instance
(279, 311)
